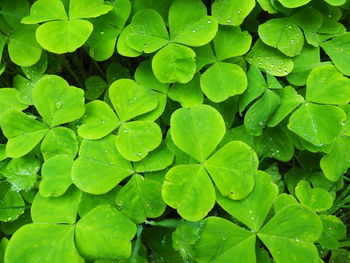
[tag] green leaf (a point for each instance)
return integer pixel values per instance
(231, 42)
(23, 132)
(59, 140)
(197, 131)
(293, 3)
(290, 234)
(231, 12)
(130, 100)
(104, 225)
(327, 85)
(222, 241)
(95, 86)
(156, 160)
(252, 210)
(21, 173)
(87, 8)
(147, 32)
(337, 49)
(261, 112)
(62, 209)
(283, 34)
(137, 138)
(270, 59)
(317, 124)
(45, 10)
(140, 199)
(99, 120)
(188, 189)
(231, 79)
(47, 243)
(9, 100)
(99, 167)
(232, 169)
(333, 230)
(337, 161)
(174, 63)
(188, 94)
(23, 48)
(122, 46)
(256, 86)
(56, 175)
(318, 199)
(290, 99)
(189, 23)
(56, 101)
(11, 206)
(63, 36)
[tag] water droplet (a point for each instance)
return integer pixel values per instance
(102, 121)
(250, 212)
(193, 31)
(209, 21)
(139, 153)
(102, 32)
(340, 50)
(145, 44)
(229, 21)
(58, 104)
(239, 11)
(125, 130)
(261, 123)
(297, 240)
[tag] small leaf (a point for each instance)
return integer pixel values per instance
(140, 199)
(104, 225)
(56, 175)
(222, 241)
(231, 12)
(223, 80)
(56, 101)
(197, 131)
(59, 140)
(318, 199)
(147, 32)
(129, 99)
(232, 169)
(327, 85)
(63, 36)
(99, 120)
(317, 124)
(99, 167)
(137, 138)
(188, 189)
(62, 209)
(48, 243)
(87, 8)
(11, 206)
(9, 100)
(23, 132)
(270, 59)
(174, 63)
(333, 230)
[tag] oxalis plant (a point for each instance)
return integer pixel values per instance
(174, 131)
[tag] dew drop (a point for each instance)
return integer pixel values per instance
(209, 21)
(125, 130)
(102, 121)
(139, 153)
(58, 104)
(193, 31)
(102, 33)
(229, 21)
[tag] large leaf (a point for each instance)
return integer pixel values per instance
(99, 167)
(189, 23)
(104, 233)
(290, 234)
(252, 210)
(147, 32)
(232, 169)
(231, 12)
(222, 241)
(129, 99)
(45, 243)
(23, 132)
(63, 36)
(197, 131)
(188, 189)
(56, 101)
(223, 80)
(174, 63)
(317, 124)
(141, 198)
(327, 85)
(137, 138)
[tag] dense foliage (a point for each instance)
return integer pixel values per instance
(174, 131)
